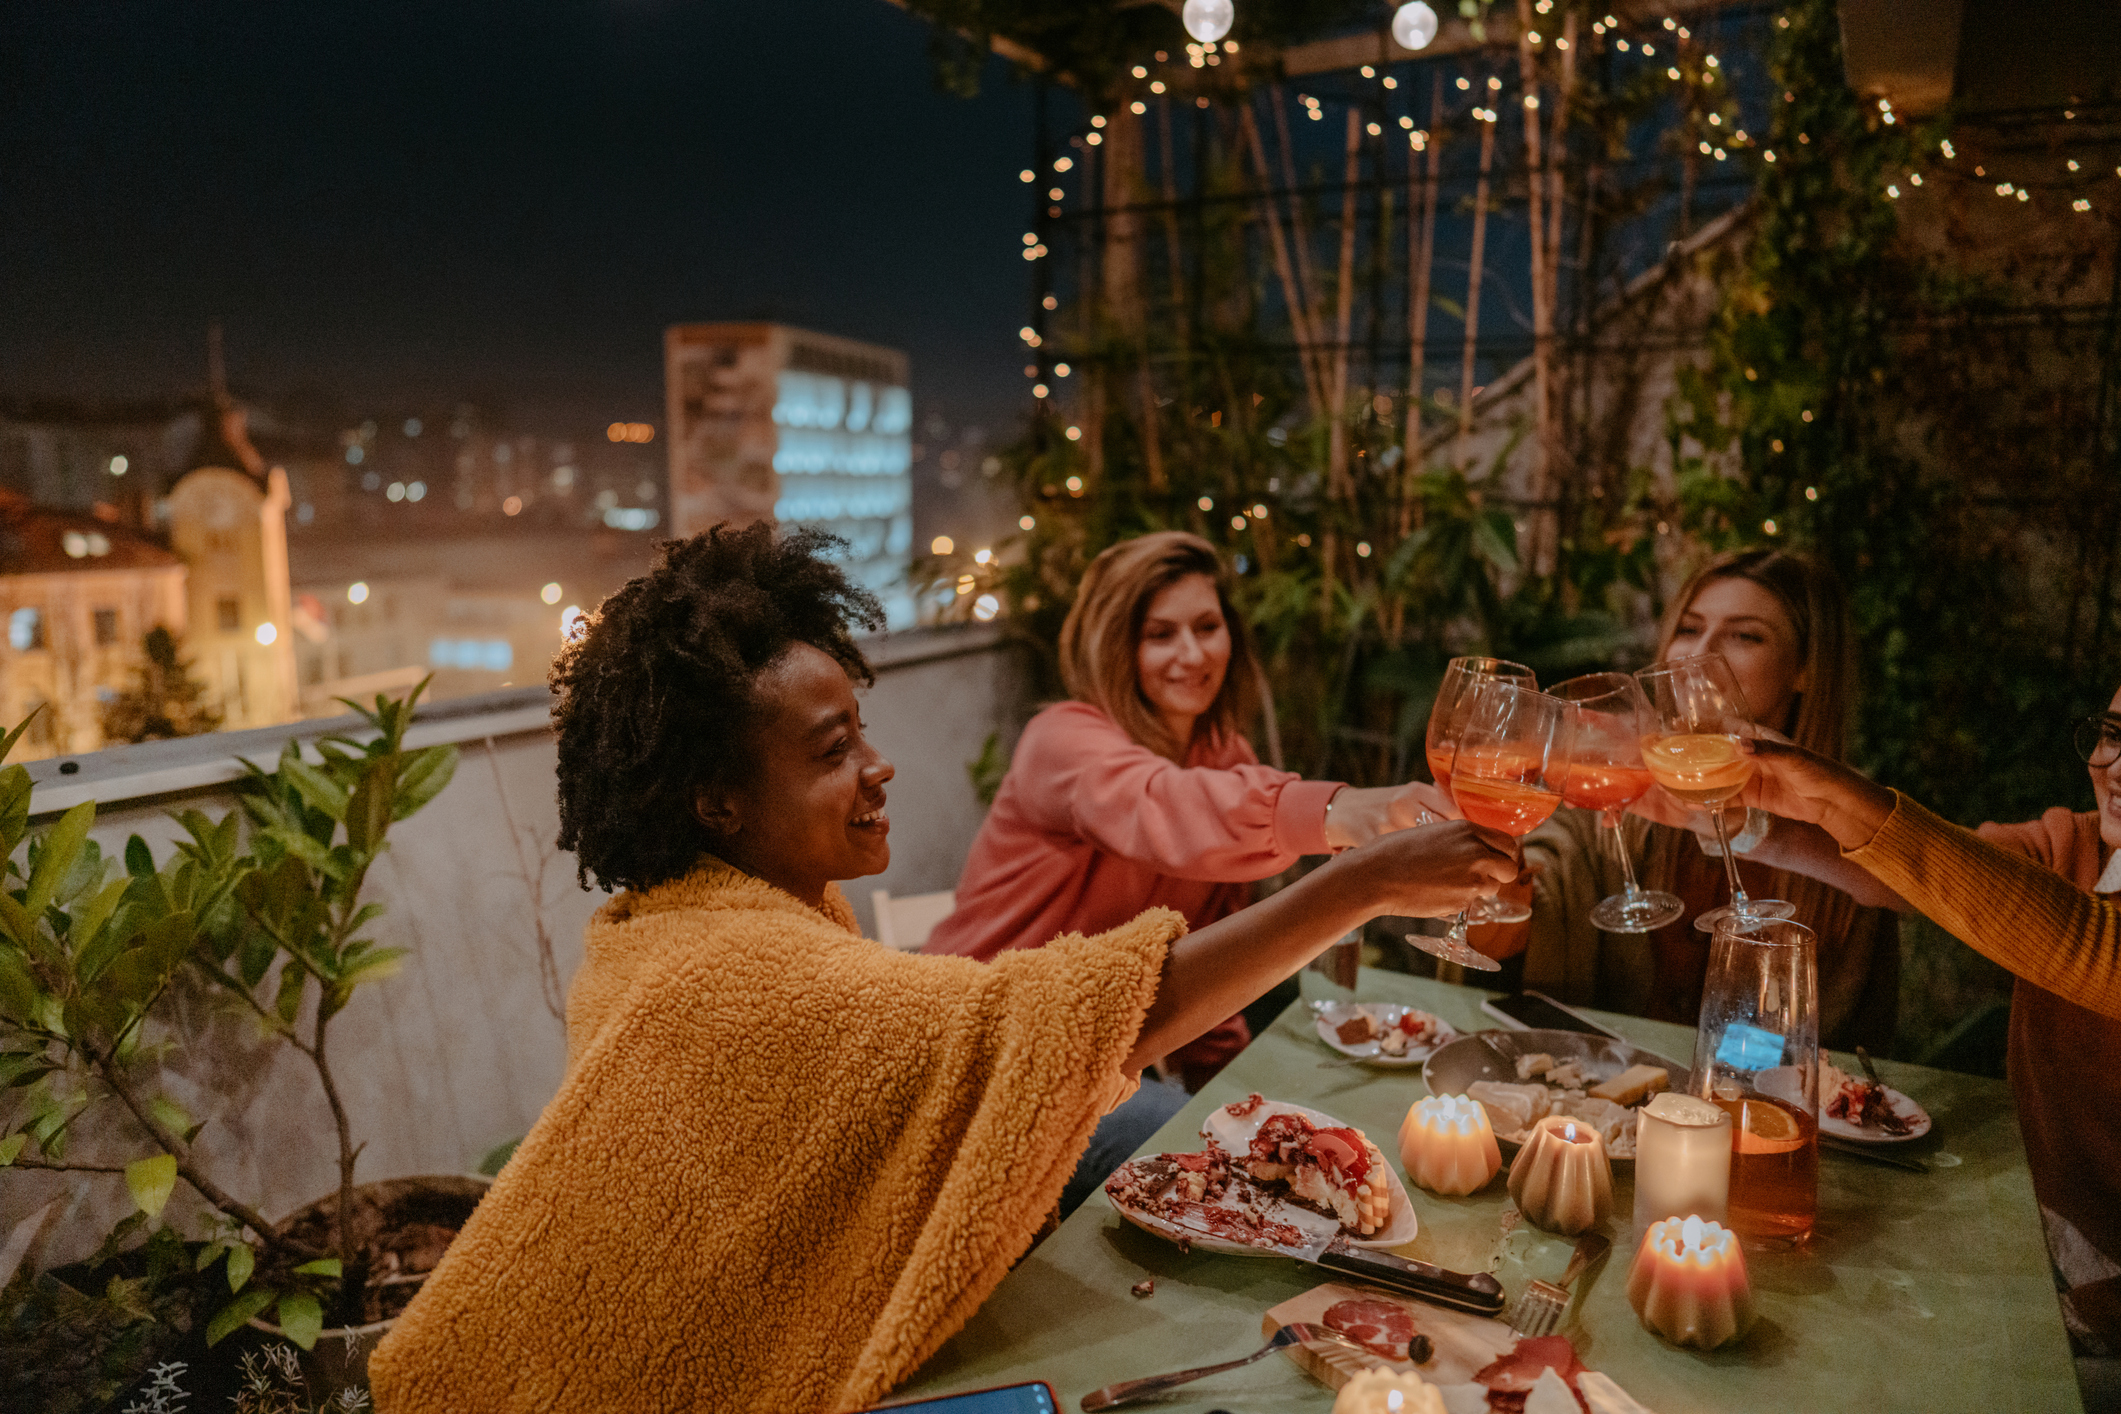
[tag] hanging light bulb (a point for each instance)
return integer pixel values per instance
(1208, 20)
(1414, 25)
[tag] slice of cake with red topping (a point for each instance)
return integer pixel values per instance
(1337, 1171)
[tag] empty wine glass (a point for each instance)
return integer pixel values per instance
(1458, 675)
(1510, 759)
(1606, 774)
(1698, 716)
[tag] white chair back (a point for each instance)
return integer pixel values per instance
(905, 923)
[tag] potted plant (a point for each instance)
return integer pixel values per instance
(270, 918)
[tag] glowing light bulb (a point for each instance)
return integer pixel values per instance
(550, 593)
(1208, 20)
(941, 545)
(1414, 25)
(357, 592)
(267, 634)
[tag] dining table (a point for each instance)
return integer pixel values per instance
(1927, 1291)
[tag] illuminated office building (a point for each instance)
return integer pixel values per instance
(770, 422)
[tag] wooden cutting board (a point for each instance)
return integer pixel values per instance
(1465, 1344)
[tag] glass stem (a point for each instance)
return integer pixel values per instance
(1620, 847)
(1739, 902)
(1458, 928)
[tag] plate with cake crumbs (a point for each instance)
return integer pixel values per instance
(1381, 1033)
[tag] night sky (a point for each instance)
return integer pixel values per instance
(401, 204)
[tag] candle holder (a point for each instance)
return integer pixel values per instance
(1373, 1391)
(1688, 1284)
(1682, 1160)
(1562, 1180)
(1447, 1145)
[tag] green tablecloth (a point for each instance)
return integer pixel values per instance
(1920, 1291)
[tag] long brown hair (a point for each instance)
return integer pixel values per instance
(1811, 595)
(1100, 642)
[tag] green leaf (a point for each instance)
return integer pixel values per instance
(322, 1267)
(372, 967)
(60, 846)
(94, 947)
(289, 1003)
(301, 1318)
(422, 778)
(319, 790)
(152, 1180)
(241, 1260)
(10, 1147)
(7, 743)
(211, 1253)
(231, 1317)
(15, 920)
(368, 810)
(18, 989)
(139, 859)
(170, 1115)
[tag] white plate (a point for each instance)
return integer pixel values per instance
(1328, 1015)
(1402, 1228)
(1918, 1121)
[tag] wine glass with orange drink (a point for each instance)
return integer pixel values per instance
(1756, 1056)
(1606, 775)
(1510, 757)
(1698, 716)
(1441, 743)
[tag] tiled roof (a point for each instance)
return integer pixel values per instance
(37, 540)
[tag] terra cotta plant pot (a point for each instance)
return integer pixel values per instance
(340, 1356)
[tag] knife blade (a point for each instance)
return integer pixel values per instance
(1475, 1292)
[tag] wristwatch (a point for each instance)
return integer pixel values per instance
(1757, 824)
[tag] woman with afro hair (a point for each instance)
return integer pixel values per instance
(785, 1164)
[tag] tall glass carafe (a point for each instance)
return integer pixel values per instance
(1756, 1056)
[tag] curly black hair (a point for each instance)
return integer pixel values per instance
(654, 699)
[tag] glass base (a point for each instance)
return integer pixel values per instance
(1643, 913)
(1754, 908)
(1451, 950)
(1497, 910)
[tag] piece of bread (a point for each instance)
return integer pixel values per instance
(1633, 1084)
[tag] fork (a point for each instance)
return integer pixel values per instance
(1539, 1308)
(1132, 1391)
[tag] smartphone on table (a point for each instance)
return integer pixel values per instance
(1033, 1398)
(1536, 1011)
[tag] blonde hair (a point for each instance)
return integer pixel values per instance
(1811, 597)
(1100, 643)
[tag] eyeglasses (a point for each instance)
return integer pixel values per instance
(2098, 740)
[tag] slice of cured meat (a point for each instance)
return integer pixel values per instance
(1510, 1378)
(1381, 1327)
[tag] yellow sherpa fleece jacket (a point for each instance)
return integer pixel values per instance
(785, 1164)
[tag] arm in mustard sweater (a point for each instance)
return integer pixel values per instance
(2004, 906)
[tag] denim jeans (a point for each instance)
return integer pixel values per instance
(1118, 1135)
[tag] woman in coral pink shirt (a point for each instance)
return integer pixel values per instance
(1143, 790)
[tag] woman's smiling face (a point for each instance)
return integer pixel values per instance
(1184, 652)
(811, 810)
(1749, 627)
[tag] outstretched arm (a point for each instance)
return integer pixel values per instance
(1420, 873)
(2004, 906)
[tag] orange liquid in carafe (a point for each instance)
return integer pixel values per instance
(1774, 1169)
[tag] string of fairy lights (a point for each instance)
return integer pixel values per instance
(1697, 73)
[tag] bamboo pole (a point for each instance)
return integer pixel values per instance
(1337, 476)
(1421, 257)
(1292, 291)
(1473, 273)
(1536, 229)
(1299, 228)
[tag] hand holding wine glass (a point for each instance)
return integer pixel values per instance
(1698, 718)
(1507, 772)
(1441, 743)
